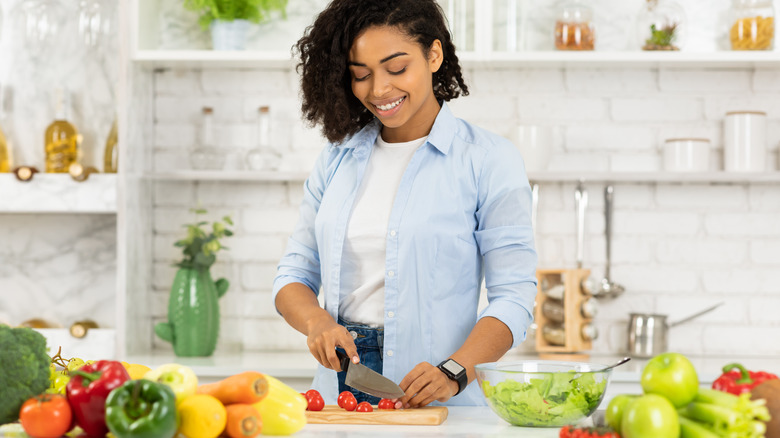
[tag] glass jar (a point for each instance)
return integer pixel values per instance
(553, 310)
(574, 27)
(554, 334)
(752, 25)
(207, 156)
(661, 25)
(264, 156)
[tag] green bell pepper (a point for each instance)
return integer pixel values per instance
(141, 409)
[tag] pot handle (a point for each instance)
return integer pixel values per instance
(695, 315)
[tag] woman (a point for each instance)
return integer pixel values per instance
(405, 211)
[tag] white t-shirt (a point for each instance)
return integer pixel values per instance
(362, 295)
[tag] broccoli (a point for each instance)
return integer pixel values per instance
(24, 369)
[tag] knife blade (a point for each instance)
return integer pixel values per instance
(367, 380)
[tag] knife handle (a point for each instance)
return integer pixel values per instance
(343, 360)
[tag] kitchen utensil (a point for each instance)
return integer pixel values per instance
(647, 333)
(617, 364)
(428, 415)
(580, 204)
(558, 383)
(367, 380)
(606, 288)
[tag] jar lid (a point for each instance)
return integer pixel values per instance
(759, 113)
(670, 140)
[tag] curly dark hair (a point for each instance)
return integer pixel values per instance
(324, 51)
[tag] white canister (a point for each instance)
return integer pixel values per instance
(687, 155)
(744, 141)
(535, 144)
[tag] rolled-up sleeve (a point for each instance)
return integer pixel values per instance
(301, 260)
(505, 238)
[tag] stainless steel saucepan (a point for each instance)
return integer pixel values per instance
(647, 333)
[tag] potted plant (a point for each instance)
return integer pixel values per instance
(193, 306)
(229, 20)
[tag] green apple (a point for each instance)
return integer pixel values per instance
(181, 379)
(673, 376)
(615, 410)
(650, 416)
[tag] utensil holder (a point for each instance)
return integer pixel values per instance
(573, 298)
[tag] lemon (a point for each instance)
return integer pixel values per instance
(202, 416)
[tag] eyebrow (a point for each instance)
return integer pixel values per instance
(394, 55)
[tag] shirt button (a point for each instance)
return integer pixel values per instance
(389, 352)
(354, 334)
(392, 233)
(390, 314)
(390, 274)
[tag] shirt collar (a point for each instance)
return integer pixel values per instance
(442, 133)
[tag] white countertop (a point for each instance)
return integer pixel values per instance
(461, 422)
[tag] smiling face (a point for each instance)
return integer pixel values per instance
(393, 79)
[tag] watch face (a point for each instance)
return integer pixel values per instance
(452, 367)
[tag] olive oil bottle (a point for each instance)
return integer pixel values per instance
(61, 137)
(110, 162)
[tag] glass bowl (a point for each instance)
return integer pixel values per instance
(543, 393)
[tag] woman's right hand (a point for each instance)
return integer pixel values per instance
(324, 335)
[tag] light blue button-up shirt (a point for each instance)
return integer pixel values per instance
(462, 213)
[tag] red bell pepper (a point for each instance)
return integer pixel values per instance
(737, 380)
(88, 390)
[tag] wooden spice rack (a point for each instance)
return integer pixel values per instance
(573, 297)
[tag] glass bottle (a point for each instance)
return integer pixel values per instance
(574, 27)
(752, 25)
(264, 156)
(79, 329)
(5, 154)
(61, 139)
(111, 155)
(207, 156)
(661, 25)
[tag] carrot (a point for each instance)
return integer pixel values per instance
(247, 387)
(243, 421)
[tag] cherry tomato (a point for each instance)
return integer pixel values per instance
(364, 407)
(315, 402)
(386, 403)
(46, 416)
(350, 403)
(311, 393)
(343, 396)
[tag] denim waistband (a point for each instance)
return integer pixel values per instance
(364, 336)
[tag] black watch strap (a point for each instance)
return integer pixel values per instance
(455, 371)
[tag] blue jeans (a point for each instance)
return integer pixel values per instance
(369, 342)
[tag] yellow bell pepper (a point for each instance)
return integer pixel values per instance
(283, 410)
(136, 370)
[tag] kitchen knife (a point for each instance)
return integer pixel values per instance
(367, 380)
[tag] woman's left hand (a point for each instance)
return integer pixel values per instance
(424, 384)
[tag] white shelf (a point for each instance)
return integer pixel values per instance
(58, 193)
(626, 59)
(657, 177)
(224, 175)
(206, 59)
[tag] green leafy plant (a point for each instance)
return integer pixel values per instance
(663, 37)
(255, 11)
(200, 247)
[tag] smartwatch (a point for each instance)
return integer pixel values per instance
(454, 371)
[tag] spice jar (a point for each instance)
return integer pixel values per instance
(554, 334)
(574, 28)
(553, 310)
(752, 25)
(661, 25)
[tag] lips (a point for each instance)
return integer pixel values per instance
(389, 107)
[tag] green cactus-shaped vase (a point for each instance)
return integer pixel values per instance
(193, 313)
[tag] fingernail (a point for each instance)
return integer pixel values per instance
(398, 405)
(355, 359)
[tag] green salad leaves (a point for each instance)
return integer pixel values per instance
(552, 400)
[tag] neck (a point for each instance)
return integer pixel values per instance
(417, 127)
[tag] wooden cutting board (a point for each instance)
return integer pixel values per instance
(331, 414)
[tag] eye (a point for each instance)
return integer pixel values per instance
(359, 79)
(397, 72)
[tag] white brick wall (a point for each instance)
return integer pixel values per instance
(677, 248)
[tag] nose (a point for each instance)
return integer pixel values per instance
(381, 85)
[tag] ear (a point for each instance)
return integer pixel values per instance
(435, 56)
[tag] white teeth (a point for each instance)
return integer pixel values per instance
(391, 105)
